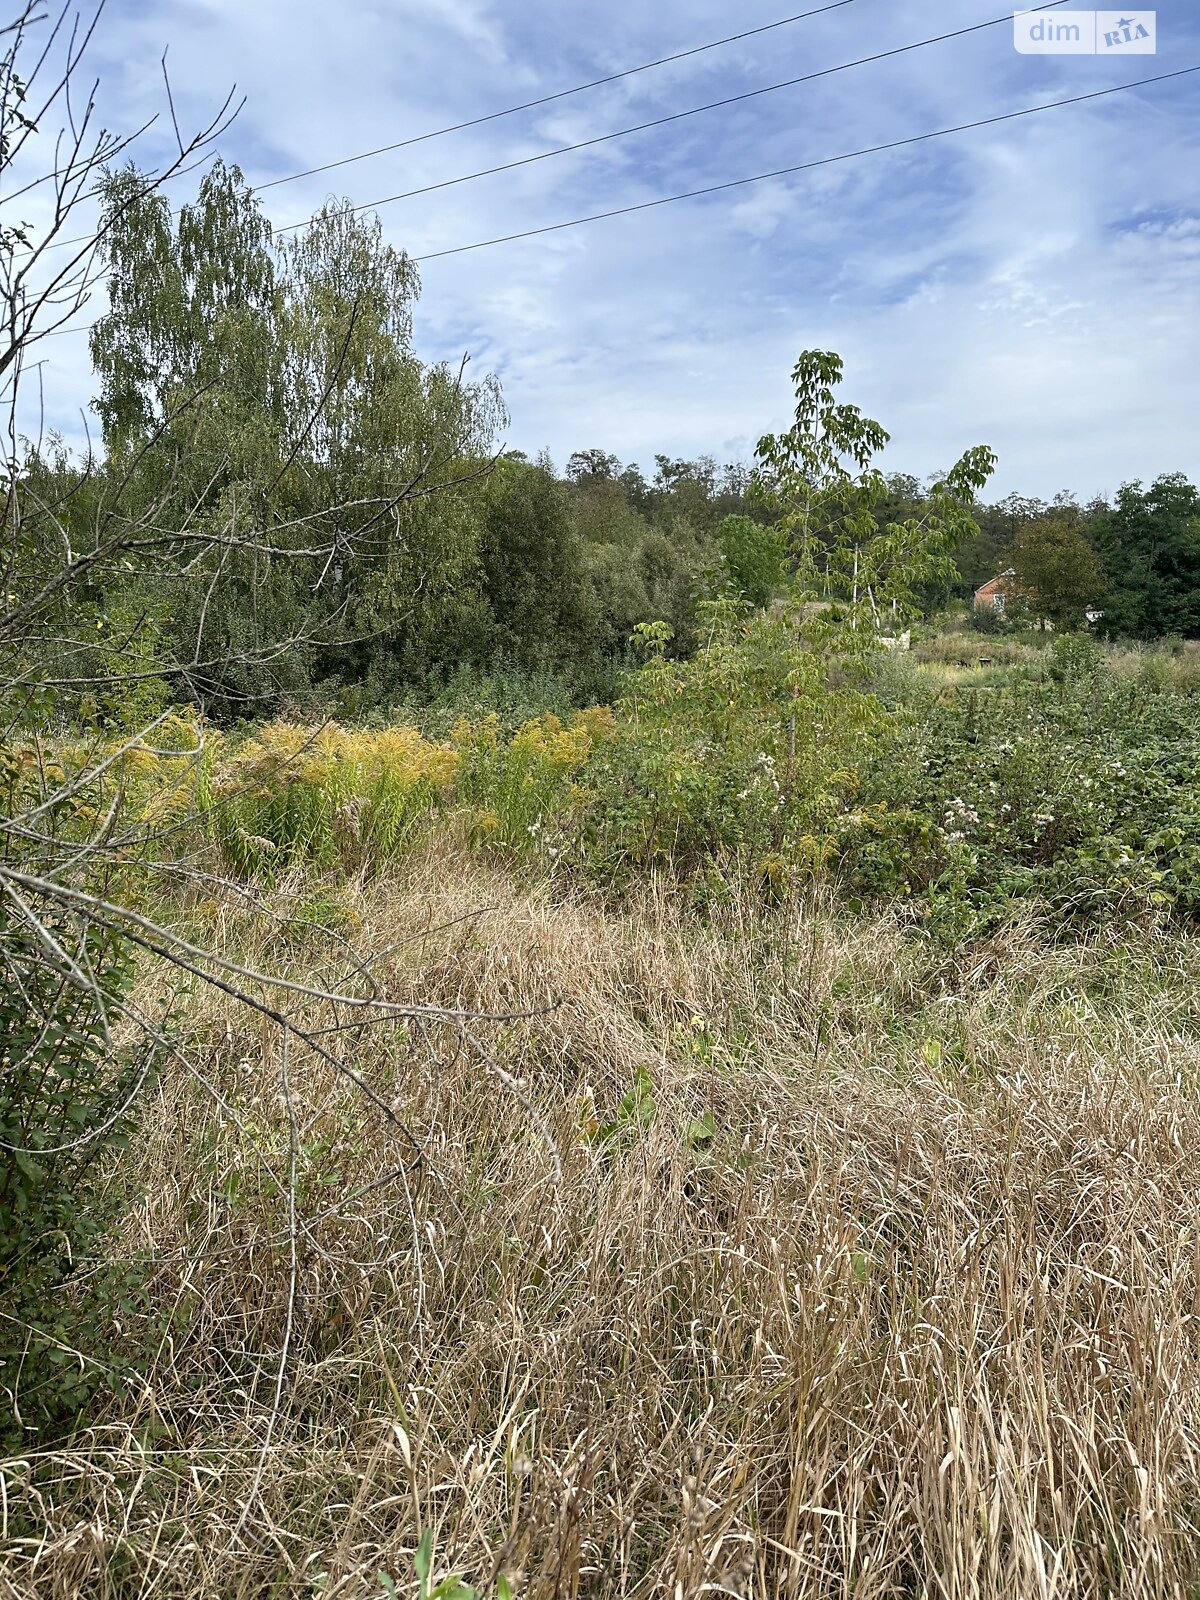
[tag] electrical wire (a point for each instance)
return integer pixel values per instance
(778, 172)
(561, 94)
(675, 116)
(509, 111)
(619, 133)
(807, 166)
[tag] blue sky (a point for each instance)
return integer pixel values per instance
(1033, 286)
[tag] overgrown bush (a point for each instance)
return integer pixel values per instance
(735, 762)
(67, 1087)
(514, 788)
(327, 797)
(1078, 792)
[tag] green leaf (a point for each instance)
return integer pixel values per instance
(423, 1559)
(701, 1130)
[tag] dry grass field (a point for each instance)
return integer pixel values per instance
(872, 1271)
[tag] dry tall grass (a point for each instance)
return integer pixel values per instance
(920, 1318)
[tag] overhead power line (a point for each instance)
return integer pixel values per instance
(778, 172)
(561, 94)
(676, 116)
(806, 166)
(619, 133)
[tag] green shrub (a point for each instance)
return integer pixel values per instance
(753, 558)
(1079, 793)
(67, 1094)
(736, 761)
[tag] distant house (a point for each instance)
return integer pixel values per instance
(994, 595)
(991, 596)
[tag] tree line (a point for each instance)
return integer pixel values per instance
(353, 528)
(1134, 558)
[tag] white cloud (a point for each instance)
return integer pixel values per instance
(1030, 285)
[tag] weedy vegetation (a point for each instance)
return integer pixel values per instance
(537, 1059)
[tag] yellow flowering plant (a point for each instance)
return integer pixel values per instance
(329, 796)
(512, 789)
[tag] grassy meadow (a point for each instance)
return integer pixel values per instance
(676, 1232)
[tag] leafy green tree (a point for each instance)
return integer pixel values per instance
(194, 416)
(636, 490)
(304, 440)
(1149, 543)
(592, 466)
(820, 480)
(754, 558)
(393, 471)
(190, 307)
(534, 571)
(1057, 571)
(685, 494)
